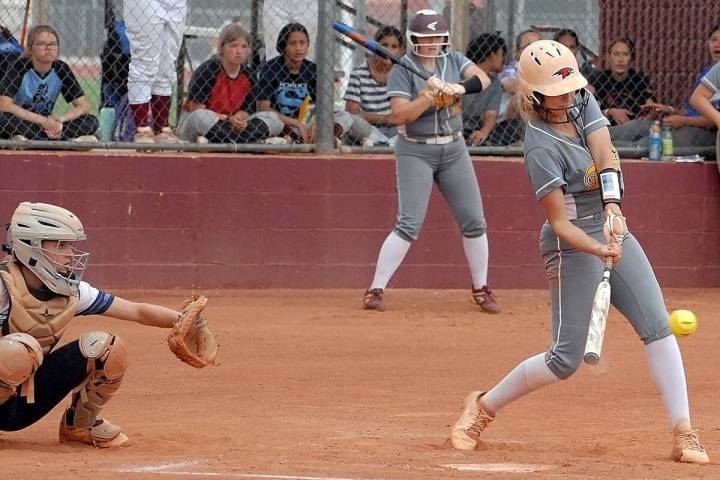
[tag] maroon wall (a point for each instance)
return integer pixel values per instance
(216, 221)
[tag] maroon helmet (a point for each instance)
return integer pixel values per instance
(428, 23)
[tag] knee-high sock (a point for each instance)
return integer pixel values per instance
(666, 368)
(477, 253)
(527, 377)
(160, 106)
(391, 255)
(141, 114)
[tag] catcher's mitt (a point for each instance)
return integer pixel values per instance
(440, 100)
(191, 340)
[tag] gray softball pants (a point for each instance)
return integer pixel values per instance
(574, 277)
(449, 166)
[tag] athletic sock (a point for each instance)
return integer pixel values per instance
(160, 106)
(477, 253)
(141, 114)
(391, 255)
(666, 368)
(530, 375)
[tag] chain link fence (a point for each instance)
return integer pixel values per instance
(234, 75)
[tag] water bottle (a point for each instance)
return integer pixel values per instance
(107, 117)
(667, 142)
(655, 143)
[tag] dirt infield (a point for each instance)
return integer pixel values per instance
(312, 387)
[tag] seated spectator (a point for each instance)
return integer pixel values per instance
(480, 110)
(706, 100)
(219, 103)
(509, 77)
(10, 49)
(689, 128)
(287, 80)
(30, 89)
(586, 58)
(620, 90)
(366, 94)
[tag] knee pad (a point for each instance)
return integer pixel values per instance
(107, 362)
(563, 366)
(20, 357)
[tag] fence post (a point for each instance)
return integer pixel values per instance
(459, 24)
(325, 55)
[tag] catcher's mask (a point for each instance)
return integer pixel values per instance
(33, 223)
(428, 23)
(548, 69)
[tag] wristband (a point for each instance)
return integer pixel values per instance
(472, 84)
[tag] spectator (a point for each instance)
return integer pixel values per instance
(570, 39)
(288, 80)
(155, 29)
(282, 12)
(366, 95)
(706, 100)
(219, 103)
(620, 90)
(480, 110)
(10, 49)
(31, 87)
(509, 76)
(690, 129)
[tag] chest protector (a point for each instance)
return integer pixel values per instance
(46, 320)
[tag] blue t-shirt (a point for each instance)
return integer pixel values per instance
(38, 93)
(285, 90)
(691, 112)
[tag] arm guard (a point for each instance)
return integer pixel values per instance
(472, 84)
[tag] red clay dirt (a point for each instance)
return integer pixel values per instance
(310, 386)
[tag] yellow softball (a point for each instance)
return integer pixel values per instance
(683, 323)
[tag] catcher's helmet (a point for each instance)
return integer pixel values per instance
(549, 68)
(34, 222)
(428, 23)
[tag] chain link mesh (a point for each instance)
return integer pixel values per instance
(184, 73)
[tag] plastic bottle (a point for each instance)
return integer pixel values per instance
(655, 143)
(107, 117)
(667, 142)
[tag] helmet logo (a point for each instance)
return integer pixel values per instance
(432, 26)
(564, 72)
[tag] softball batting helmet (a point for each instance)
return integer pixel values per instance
(34, 222)
(549, 68)
(428, 23)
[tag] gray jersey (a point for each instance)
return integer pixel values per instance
(404, 84)
(476, 105)
(712, 81)
(554, 160)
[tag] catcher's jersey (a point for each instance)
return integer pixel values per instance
(554, 160)
(92, 301)
(405, 84)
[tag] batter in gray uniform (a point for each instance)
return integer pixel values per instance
(566, 144)
(432, 149)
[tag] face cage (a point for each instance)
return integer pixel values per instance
(73, 272)
(572, 113)
(444, 47)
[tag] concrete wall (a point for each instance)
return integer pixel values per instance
(217, 221)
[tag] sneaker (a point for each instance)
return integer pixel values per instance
(466, 431)
(166, 135)
(367, 143)
(486, 299)
(19, 138)
(144, 135)
(101, 435)
(687, 448)
(201, 140)
(373, 299)
(278, 141)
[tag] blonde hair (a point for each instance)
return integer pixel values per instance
(230, 33)
(524, 105)
(32, 37)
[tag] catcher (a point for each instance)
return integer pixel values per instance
(431, 149)
(40, 292)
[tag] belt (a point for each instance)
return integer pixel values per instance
(442, 140)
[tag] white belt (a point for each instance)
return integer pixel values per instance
(442, 140)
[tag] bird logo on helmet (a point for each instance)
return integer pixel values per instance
(429, 23)
(34, 223)
(549, 68)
